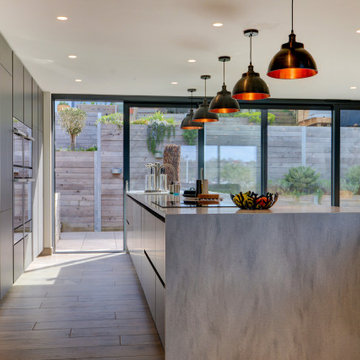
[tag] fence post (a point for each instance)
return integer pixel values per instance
(97, 179)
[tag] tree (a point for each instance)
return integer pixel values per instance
(72, 120)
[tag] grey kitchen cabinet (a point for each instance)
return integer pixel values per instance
(35, 105)
(5, 140)
(38, 234)
(148, 284)
(28, 251)
(5, 55)
(149, 235)
(18, 89)
(145, 234)
(129, 223)
(160, 309)
(6, 251)
(160, 248)
(18, 259)
(28, 114)
(41, 109)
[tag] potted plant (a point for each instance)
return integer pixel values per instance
(72, 120)
(62, 105)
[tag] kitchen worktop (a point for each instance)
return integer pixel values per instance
(150, 200)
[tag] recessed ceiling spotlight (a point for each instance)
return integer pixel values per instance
(72, 56)
(358, 31)
(191, 61)
(174, 83)
(62, 18)
(353, 87)
(217, 24)
(78, 80)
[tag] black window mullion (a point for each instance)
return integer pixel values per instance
(264, 150)
(335, 157)
(201, 151)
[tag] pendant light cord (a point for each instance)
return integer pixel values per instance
(223, 72)
(205, 88)
(292, 16)
(251, 49)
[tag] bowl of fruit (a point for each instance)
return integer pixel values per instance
(251, 201)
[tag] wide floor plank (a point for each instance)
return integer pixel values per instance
(78, 306)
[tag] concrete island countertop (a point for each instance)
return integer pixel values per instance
(255, 286)
(149, 200)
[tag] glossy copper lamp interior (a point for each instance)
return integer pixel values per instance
(223, 103)
(251, 86)
(188, 123)
(292, 61)
(202, 114)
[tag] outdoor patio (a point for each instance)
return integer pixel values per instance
(90, 241)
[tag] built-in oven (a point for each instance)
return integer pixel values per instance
(22, 191)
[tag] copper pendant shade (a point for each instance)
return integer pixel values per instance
(292, 61)
(223, 103)
(203, 114)
(251, 86)
(187, 123)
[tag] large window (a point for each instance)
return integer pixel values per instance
(350, 158)
(233, 153)
(299, 156)
(284, 146)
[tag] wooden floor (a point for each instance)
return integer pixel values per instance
(78, 306)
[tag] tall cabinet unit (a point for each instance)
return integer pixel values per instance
(6, 238)
(37, 171)
(21, 134)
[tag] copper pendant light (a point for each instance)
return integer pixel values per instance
(203, 114)
(223, 102)
(251, 86)
(187, 123)
(292, 61)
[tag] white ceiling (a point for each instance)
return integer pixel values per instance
(137, 47)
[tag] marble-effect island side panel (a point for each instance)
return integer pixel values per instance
(257, 287)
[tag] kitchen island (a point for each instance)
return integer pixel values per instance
(223, 283)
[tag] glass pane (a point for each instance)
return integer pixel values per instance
(233, 153)
(155, 136)
(349, 158)
(299, 156)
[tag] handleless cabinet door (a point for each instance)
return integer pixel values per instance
(160, 309)
(18, 88)
(28, 116)
(150, 235)
(160, 248)
(28, 251)
(18, 259)
(129, 225)
(148, 284)
(5, 140)
(6, 251)
(5, 55)
(35, 105)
